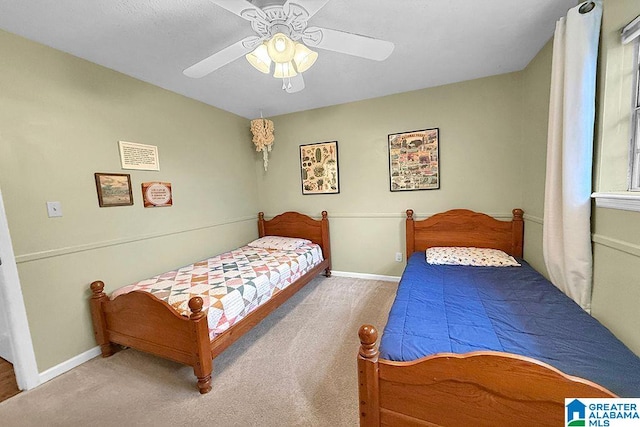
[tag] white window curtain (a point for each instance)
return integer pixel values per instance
(567, 202)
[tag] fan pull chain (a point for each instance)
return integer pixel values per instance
(286, 83)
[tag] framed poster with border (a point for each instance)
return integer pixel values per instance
(319, 168)
(114, 189)
(157, 194)
(142, 157)
(414, 160)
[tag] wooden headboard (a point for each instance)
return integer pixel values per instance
(462, 227)
(294, 224)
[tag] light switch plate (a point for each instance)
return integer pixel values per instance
(54, 209)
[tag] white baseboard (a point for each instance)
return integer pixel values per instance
(365, 276)
(63, 367)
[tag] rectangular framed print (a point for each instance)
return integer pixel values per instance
(114, 189)
(414, 161)
(319, 168)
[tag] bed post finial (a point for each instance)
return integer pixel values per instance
(195, 305)
(97, 288)
(99, 322)
(410, 242)
(261, 232)
(368, 336)
(517, 237)
(368, 377)
(324, 214)
(203, 364)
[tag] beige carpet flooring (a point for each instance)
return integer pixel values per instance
(296, 368)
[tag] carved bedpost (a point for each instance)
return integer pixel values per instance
(261, 224)
(326, 246)
(518, 232)
(410, 242)
(368, 380)
(99, 322)
(203, 363)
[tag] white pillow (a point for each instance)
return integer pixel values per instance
(278, 242)
(479, 257)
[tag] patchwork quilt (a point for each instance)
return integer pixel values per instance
(232, 284)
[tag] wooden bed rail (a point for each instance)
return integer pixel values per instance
(483, 388)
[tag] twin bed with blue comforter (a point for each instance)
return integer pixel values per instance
(468, 345)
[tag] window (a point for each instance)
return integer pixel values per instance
(631, 34)
(634, 185)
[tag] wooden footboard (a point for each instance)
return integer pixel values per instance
(480, 389)
(140, 320)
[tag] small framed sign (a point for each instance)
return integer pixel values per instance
(157, 194)
(139, 156)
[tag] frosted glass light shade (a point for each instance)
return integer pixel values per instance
(281, 48)
(304, 57)
(284, 70)
(259, 58)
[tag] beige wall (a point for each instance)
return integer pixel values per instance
(616, 233)
(536, 83)
(61, 118)
(60, 122)
(480, 164)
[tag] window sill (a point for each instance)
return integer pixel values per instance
(624, 200)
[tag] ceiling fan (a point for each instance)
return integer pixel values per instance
(283, 39)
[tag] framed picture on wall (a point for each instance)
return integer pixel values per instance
(156, 194)
(114, 189)
(319, 168)
(414, 160)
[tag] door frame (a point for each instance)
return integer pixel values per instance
(25, 366)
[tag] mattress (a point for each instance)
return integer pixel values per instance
(232, 284)
(459, 309)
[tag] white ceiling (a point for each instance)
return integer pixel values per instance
(436, 42)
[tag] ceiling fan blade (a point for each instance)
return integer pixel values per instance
(221, 58)
(295, 84)
(311, 6)
(237, 7)
(351, 44)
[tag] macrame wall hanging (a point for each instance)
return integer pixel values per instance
(262, 130)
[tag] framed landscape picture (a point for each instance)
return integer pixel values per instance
(319, 168)
(114, 189)
(414, 161)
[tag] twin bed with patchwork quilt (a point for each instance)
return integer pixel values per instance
(478, 337)
(193, 313)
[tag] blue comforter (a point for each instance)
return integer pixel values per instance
(460, 309)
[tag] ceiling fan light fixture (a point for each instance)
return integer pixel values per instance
(284, 70)
(281, 48)
(304, 57)
(260, 59)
